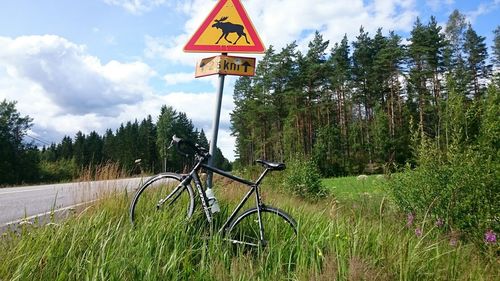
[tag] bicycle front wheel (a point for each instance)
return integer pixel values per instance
(279, 228)
(163, 197)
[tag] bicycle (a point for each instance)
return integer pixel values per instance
(175, 191)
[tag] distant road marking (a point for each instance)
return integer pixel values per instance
(19, 191)
(47, 213)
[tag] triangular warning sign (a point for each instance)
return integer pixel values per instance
(227, 29)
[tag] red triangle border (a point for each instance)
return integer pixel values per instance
(257, 48)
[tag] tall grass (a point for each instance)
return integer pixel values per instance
(335, 242)
(104, 171)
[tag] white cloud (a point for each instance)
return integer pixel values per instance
(66, 90)
(199, 106)
(70, 78)
(189, 77)
(136, 7)
(437, 5)
(170, 49)
(483, 8)
(179, 78)
(110, 40)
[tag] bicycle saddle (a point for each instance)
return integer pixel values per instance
(272, 165)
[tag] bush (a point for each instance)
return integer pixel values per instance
(302, 178)
(61, 170)
(458, 181)
(461, 187)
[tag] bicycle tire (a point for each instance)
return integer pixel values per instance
(144, 205)
(279, 227)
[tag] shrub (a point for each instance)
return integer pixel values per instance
(461, 187)
(61, 170)
(458, 182)
(302, 177)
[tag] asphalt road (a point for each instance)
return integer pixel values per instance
(18, 204)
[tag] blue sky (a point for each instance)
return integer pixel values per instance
(93, 64)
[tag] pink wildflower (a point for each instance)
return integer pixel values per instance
(453, 241)
(418, 232)
(409, 219)
(490, 237)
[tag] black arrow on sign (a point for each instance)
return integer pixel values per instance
(246, 64)
(202, 64)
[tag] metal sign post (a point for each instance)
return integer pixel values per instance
(215, 127)
(227, 29)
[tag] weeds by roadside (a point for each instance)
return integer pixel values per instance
(336, 241)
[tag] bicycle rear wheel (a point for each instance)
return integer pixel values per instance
(279, 228)
(163, 197)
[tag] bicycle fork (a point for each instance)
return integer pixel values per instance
(203, 196)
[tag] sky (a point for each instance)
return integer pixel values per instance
(90, 65)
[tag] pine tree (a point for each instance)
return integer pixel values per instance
(65, 148)
(108, 149)
(417, 81)
(338, 150)
(477, 69)
(314, 75)
(18, 159)
(284, 72)
(454, 53)
(202, 139)
(79, 150)
(496, 46)
(241, 122)
(496, 55)
(165, 131)
(93, 144)
(147, 144)
(436, 63)
(362, 70)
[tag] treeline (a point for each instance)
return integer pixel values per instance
(146, 140)
(18, 160)
(358, 107)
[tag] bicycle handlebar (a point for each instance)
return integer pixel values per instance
(199, 150)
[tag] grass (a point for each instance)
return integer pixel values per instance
(354, 235)
(349, 188)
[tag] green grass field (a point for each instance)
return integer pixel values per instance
(355, 234)
(349, 188)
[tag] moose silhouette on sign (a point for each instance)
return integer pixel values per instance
(227, 28)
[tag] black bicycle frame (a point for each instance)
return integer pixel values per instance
(254, 187)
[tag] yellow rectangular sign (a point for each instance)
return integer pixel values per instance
(229, 65)
(241, 66)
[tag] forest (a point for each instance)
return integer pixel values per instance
(146, 140)
(362, 106)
